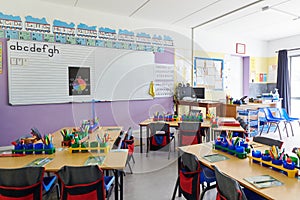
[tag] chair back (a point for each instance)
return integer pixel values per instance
(21, 183)
(228, 188)
(189, 133)
(284, 114)
(268, 141)
(84, 182)
(159, 135)
(189, 176)
(128, 143)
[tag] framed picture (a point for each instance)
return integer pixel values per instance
(240, 48)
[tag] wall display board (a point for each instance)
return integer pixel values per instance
(164, 80)
(41, 73)
(208, 73)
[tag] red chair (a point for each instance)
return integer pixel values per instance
(84, 182)
(160, 137)
(21, 183)
(128, 143)
(189, 133)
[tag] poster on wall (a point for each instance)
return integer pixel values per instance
(208, 73)
(79, 81)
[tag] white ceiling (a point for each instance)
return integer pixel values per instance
(242, 17)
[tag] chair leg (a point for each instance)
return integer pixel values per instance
(262, 129)
(175, 189)
(291, 128)
(287, 134)
(279, 131)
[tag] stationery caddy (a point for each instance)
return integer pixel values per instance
(93, 147)
(43, 150)
(289, 172)
(235, 152)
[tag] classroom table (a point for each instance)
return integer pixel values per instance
(243, 168)
(114, 160)
(202, 103)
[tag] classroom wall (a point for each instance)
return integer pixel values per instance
(284, 43)
(16, 121)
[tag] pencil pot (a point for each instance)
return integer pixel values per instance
(256, 154)
(278, 163)
(19, 149)
(290, 166)
(294, 160)
(84, 147)
(28, 148)
(49, 149)
(94, 144)
(38, 148)
(266, 157)
(232, 148)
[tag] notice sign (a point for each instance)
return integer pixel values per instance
(79, 81)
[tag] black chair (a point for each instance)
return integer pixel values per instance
(189, 133)
(229, 189)
(21, 183)
(191, 175)
(160, 137)
(83, 182)
(268, 141)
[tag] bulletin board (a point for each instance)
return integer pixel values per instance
(41, 73)
(208, 73)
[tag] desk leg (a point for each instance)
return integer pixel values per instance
(121, 185)
(116, 173)
(141, 139)
(148, 141)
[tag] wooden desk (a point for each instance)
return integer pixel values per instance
(204, 103)
(243, 168)
(115, 161)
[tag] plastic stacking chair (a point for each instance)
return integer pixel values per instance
(189, 133)
(160, 137)
(84, 182)
(128, 143)
(229, 189)
(191, 175)
(270, 120)
(21, 183)
(288, 119)
(49, 184)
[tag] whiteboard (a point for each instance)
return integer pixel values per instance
(123, 74)
(41, 76)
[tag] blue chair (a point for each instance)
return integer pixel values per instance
(271, 120)
(49, 183)
(288, 119)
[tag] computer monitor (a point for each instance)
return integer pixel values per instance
(198, 92)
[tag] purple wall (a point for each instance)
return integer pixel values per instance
(16, 121)
(246, 75)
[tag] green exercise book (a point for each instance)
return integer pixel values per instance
(40, 162)
(215, 157)
(94, 160)
(263, 181)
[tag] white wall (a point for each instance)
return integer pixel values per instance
(284, 43)
(226, 43)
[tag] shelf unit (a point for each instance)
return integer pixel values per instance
(251, 118)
